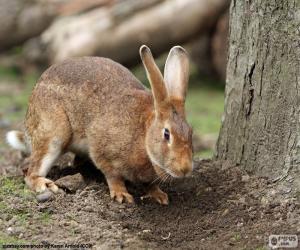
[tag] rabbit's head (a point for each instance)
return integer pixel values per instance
(169, 136)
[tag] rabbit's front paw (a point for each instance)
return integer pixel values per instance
(157, 194)
(121, 196)
(41, 184)
(118, 190)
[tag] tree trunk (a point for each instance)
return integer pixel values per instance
(261, 124)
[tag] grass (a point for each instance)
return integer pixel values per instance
(45, 217)
(236, 237)
(16, 202)
(204, 106)
(13, 186)
(5, 239)
(18, 101)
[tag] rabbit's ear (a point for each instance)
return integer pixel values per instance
(176, 74)
(154, 76)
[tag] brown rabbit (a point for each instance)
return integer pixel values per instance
(94, 106)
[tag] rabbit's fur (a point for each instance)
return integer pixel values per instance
(94, 106)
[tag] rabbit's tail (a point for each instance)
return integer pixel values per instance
(16, 139)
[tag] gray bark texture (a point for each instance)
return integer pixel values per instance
(261, 124)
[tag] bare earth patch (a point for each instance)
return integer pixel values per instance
(219, 207)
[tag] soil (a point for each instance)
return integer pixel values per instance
(218, 207)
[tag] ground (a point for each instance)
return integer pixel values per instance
(218, 207)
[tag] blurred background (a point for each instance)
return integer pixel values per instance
(37, 33)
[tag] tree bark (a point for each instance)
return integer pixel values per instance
(261, 125)
(101, 32)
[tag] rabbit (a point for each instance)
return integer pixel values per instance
(95, 107)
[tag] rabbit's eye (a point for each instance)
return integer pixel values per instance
(167, 134)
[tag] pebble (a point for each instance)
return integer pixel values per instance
(71, 182)
(240, 224)
(242, 200)
(9, 230)
(264, 201)
(45, 196)
(226, 211)
(12, 221)
(245, 178)
(73, 223)
(14, 231)
(88, 209)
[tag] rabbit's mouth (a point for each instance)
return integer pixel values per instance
(174, 174)
(178, 172)
(163, 171)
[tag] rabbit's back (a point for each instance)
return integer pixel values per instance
(99, 97)
(99, 71)
(89, 84)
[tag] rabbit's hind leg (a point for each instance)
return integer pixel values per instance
(48, 141)
(41, 160)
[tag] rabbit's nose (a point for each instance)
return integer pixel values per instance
(187, 169)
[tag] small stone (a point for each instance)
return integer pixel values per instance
(88, 209)
(9, 230)
(242, 200)
(273, 192)
(73, 223)
(277, 216)
(45, 196)
(245, 178)
(71, 182)
(14, 231)
(146, 231)
(264, 201)
(226, 211)
(285, 190)
(240, 224)
(12, 221)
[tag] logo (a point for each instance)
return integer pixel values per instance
(283, 241)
